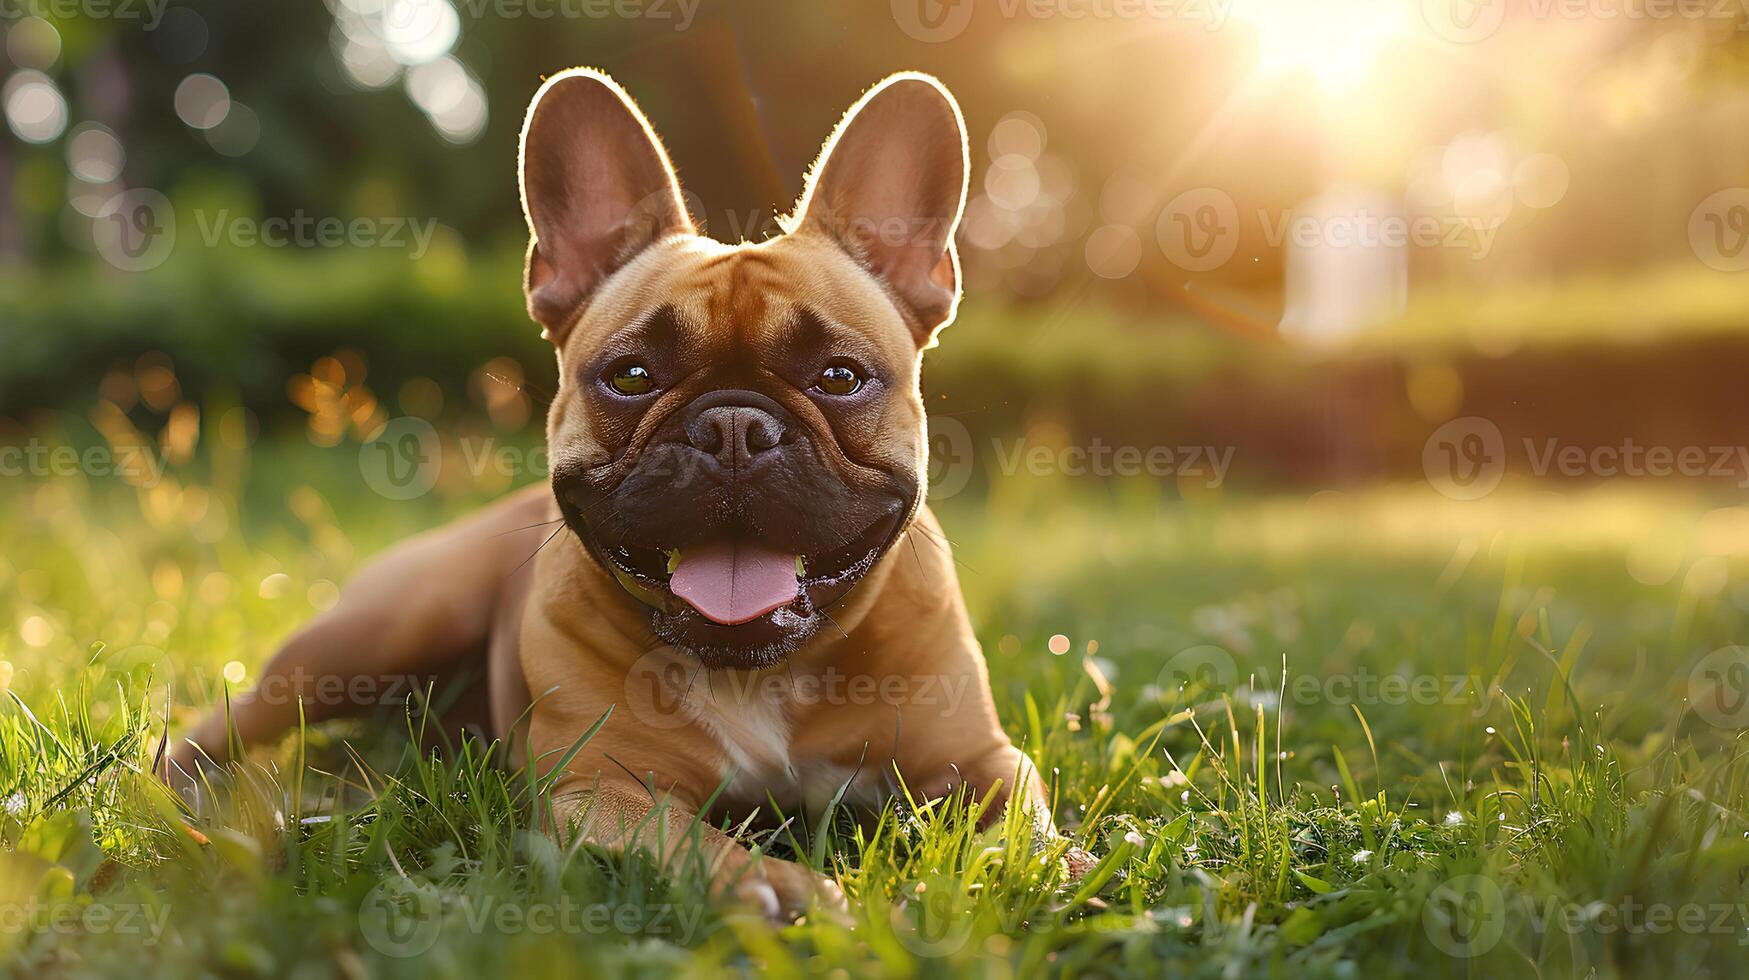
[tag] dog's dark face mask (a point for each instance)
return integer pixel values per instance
(738, 436)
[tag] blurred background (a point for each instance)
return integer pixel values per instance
(1308, 232)
(1359, 343)
(1468, 265)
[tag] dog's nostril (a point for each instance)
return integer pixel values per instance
(763, 433)
(709, 433)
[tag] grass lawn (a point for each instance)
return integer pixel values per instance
(1340, 734)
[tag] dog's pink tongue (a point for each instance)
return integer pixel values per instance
(734, 581)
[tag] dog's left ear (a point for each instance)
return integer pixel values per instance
(597, 189)
(889, 187)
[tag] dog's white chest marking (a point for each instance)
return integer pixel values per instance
(749, 715)
(749, 719)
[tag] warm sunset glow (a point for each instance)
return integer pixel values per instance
(1335, 40)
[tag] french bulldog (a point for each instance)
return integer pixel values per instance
(733, 552)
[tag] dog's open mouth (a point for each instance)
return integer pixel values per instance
(736, 580)
(740, 600)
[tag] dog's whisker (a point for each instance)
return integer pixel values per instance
(944, 544)
(914, 556)
(543, 544)
(529, 527)
(834, 623)
(540, 395)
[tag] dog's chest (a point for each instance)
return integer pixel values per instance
(751, 718)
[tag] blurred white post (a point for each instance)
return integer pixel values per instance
(1347, 264)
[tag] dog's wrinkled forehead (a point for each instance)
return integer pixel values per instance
(744, 308)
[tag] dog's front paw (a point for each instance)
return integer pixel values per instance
(783, 890)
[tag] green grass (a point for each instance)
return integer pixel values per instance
(1331, 735)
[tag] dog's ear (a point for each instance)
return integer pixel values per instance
(889, 187)
(597, 188)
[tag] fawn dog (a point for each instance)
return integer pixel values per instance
(738, 446)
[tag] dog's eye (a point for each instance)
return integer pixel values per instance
(839, 379)
(631, 379)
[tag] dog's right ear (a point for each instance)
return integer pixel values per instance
(597, 189)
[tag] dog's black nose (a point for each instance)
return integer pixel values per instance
(735, 434)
